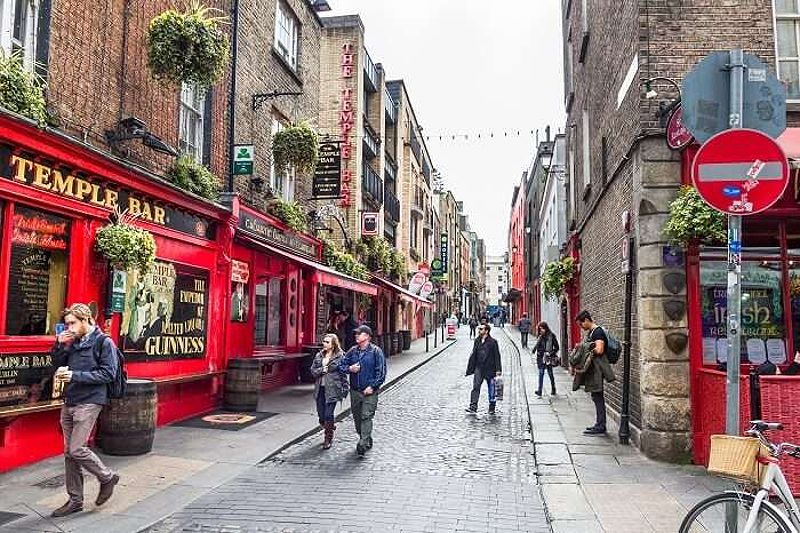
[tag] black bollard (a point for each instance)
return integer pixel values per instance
(427, 339)
(435, 334)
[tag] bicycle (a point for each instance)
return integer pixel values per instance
(743, 511)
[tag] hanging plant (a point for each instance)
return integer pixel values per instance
(376, 253)
(692, 220)
(556, 276)
(397, 268)
(342, 261)
(21, 91)
(188, 47)
(295, 146)
(191, 176)
(124, 245)
(291, 213)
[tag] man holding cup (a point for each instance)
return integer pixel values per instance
(85, 369)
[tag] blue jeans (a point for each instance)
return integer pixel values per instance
(324, 410)
(549, 370)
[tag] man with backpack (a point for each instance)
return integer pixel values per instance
(598, 370)
(524, 326)
(88, 364)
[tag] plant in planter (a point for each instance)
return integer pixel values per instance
(124, 245)
(343, 261)
(191, 176)
(21, 91)
(556, 276)
(295, 146)
(289, 212)
(692, 220)
(376, 253)
(188, 47)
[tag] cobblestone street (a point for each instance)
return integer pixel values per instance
(433, 467)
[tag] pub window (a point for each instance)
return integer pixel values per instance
(37, 285)
(18, 28)
(787, 35)
(191, 121)
(268, 312)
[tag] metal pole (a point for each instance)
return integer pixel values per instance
(427, 342)
(624, 418)
(232, 95)
(734, 304)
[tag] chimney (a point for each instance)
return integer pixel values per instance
(547, 133)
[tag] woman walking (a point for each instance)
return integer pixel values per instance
(546, 350)
(331, 385)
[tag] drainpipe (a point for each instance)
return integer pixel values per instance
(624, 418)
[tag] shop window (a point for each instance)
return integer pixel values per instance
(794, 298)
(191, 121)
(37, 285)
(269, 312)
(763, 321)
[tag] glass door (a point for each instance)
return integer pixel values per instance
(269, 312)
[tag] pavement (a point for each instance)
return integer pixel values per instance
(593, 484)
(433, 467)
(185, 464)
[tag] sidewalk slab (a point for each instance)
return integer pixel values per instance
(185, 462)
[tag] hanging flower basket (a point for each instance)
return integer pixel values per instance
(556, 276)
(693, 220)
(295, 146)
(191, 176)
(125, 246)
(21, 91)
(291, 213)
(342, 261)
(188, 47)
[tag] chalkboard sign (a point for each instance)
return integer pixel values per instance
(25, 379)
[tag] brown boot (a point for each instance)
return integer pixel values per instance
(329, 429)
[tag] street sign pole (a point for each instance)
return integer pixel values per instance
(734, 260)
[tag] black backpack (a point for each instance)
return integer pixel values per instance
(117, 388)
(613, 347)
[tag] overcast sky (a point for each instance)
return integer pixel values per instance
(473, 67)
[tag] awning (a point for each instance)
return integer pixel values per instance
(322, 274)
(789, 141)
(405, 294)
(513, 295)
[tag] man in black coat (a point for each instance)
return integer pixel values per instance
(484, 364)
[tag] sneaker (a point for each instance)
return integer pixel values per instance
(538, 393)
(106, 490)
(471, 410)
(67, 509)
(595, 431)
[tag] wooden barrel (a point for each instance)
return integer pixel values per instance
(127, 426)
(394, 349)
(242, 384)
(406, 334)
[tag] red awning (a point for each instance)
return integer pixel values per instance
(323, 274)
(789, 141)
(405, 295)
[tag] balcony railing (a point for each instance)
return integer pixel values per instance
(388, 105)
(370, 73)
(390, 169)
(371, 141)
(372, 184)
(391, 205)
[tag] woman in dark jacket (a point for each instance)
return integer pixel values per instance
(331, 385)
(546, 350)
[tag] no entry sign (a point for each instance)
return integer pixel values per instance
(740, 172)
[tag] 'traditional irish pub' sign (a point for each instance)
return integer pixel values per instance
(262, 229)
(54, 177)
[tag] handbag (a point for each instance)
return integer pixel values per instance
(552, 359)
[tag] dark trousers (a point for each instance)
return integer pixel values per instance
(472, 331)
(477, 380)
(549, 370)
(600, 409)
(324, 409)
(524, 335)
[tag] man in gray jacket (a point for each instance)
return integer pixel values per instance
(87, 367)
(524, 326)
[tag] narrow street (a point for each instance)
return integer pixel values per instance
(433, 468)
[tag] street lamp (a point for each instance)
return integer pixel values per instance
(651, 93)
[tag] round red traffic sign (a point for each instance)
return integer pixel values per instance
(678, 135)
(740, 171)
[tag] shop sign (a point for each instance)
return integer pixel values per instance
(347, 118)
(426, 290)
(436, 269)
(327, 181)
(240, 271)
(39, 232)
(118, 289)
(416, 283)
(243, 159)
(678, 135)
(443, 252)
(369, 224)
(740, 172)
(56, 178)
(25, 379)
(166, 314)
(263, 230)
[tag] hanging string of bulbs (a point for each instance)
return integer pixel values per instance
(449, 136)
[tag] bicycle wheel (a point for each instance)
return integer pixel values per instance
(709, 516)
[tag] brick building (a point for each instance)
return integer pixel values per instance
(618, 161)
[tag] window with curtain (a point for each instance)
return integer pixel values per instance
(37, 285)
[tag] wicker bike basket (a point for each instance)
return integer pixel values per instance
(736, 457)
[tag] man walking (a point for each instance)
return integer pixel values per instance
(346, 329)
(366, 365)
(87, 363)
(597, 372)
(473, 324)
(524, 326)
(484, 364)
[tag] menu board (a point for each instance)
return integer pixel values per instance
(25, 379)
(165, 314)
